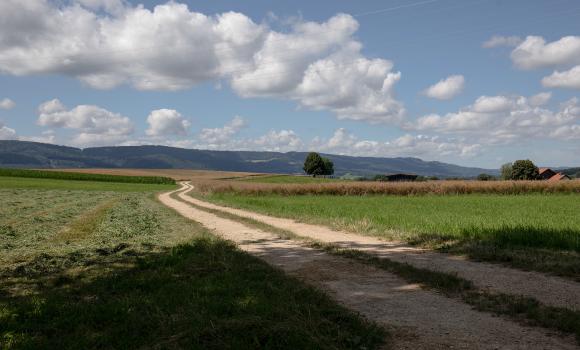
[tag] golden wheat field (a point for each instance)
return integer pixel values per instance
(389, 188)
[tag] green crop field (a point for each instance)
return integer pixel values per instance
(535, 231)
(31, 183)
(83, 267)
(61, 175)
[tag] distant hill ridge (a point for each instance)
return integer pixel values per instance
(24, 154)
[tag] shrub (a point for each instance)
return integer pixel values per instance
(485, 177)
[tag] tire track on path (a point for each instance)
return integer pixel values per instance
(549, 290)
(419, 319)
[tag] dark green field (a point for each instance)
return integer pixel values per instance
(62, 175)
(113, 268)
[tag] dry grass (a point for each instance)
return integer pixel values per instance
(393, 188)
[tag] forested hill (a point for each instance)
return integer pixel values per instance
(25, 154)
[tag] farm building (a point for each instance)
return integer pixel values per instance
(551, 175)
(399, 177)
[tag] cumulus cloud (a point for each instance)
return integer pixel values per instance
(7, 133)
(166, 122)
(278, 141)
(534, 52)
(7, 104)
(432, 147)
(498, 41)
(96, 125)
(569, 79)
(540, 99)
(220, 136)
(341, 142)
(318, 64)
(110, 6)
(502, 119)
(225, 138)
(47, 136)
(446, 88)
(360, 91)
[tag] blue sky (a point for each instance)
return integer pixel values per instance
(347, 77)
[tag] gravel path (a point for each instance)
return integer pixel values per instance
(549, 290)
(419, 319)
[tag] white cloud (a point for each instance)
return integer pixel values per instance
(432, 147)
(225, 138)
(569, 79)
(540, 99)
(502, 119)
(534, 52)
(220, 136)
(48, 136)
(360, 91)
(318, 64)
(96, 125)
(277, 141)
(498, 41)
(110, 6)
(567, 132)
(165, 122)
(7, 133)
(446, 88)
(341, 142)
(7, 104)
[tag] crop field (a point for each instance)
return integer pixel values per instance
(286, 179)
(61, 175)
(531, 230)
(87, 268)
(284, 186)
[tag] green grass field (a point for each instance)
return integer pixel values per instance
(533, 231)
(87, 268)
(287, 179)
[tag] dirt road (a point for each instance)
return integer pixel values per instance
(549, 290)
(418, 318)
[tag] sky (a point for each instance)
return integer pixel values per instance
(469, 82)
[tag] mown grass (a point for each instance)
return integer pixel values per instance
(61, 175)
(287, 179)
(137, 275)
(540, 232)
(38, 183)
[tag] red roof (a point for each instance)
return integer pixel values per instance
(558, 177)
(542, 170)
